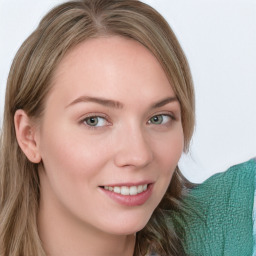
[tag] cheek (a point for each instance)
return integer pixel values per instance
(167, 156)
(169, 149)
(68, 153)
(72, 168)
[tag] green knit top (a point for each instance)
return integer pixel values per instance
(221, 222)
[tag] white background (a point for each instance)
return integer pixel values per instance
(219, 39)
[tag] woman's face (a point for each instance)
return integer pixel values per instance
(110, 137)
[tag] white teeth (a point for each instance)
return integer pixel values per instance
(124, 190)
(140, 188)
(117, 190)
(133, 191)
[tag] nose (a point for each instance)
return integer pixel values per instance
(133, 149)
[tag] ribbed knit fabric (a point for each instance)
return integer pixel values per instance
(221, 222)
(254, 218)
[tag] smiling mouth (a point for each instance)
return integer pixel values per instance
(127, 190)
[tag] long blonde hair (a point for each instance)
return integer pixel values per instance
(28, 84)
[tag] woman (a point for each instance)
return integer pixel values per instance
(99, 107)
(103, 106)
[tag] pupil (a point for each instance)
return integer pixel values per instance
(157, 119)
(92, 121)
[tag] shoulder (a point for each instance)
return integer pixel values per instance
(237, 181)
(220, 221)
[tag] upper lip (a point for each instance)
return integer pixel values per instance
(128, 184)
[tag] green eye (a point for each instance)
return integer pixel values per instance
(156, 119)
(95, 121)
(162, 119)
(92, 121)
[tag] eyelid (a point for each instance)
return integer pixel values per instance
(165, 113)
(100, 115)
(165, 123)
(170, 114)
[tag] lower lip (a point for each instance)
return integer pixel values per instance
(135, 200)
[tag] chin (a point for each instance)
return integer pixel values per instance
(127, 226)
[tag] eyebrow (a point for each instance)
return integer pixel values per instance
(117, 104)
(101, 101)
(164, 102)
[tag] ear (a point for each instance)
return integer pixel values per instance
(26, 136)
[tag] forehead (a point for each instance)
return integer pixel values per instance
(110, 66)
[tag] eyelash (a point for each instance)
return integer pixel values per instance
(163, 115)
(84, 120)
(95, 116)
